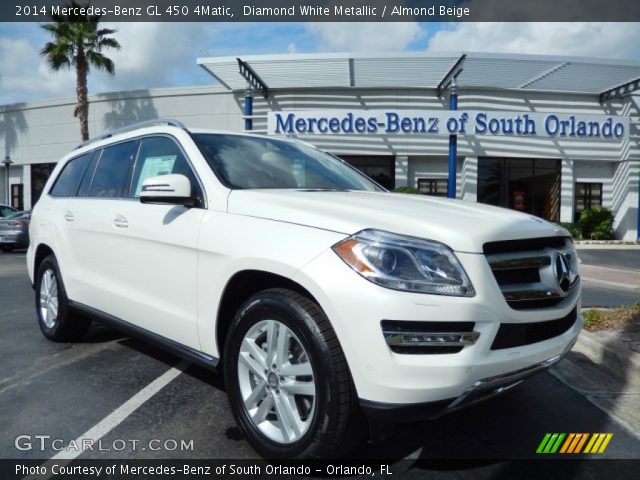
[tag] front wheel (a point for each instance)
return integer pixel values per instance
(288, 381)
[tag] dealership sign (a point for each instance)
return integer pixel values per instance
(442, 122)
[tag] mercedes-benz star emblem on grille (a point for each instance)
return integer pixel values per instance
(562, 271)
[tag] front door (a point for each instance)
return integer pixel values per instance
(153, 249)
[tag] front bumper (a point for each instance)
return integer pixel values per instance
(396, 381)
(481, 390)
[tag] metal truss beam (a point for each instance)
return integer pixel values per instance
(620, 91)
(453, 73)
(253, 78)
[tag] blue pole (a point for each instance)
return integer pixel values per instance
(453, 142)
(248, 109)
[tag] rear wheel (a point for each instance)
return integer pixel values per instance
(57, 321)
(288, 381)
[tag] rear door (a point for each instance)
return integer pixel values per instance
(58, 218)
(93, 236)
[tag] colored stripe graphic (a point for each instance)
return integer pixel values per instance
(556, 443)
(581, 443)
(543, 443)
(605, 443)
(567, 443)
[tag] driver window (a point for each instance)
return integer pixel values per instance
(161, 156)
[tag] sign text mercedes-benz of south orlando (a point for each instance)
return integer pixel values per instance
(442, 122)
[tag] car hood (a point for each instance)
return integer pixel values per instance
(463, 226)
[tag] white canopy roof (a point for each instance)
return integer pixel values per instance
(428, 70)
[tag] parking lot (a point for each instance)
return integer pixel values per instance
(64, 390)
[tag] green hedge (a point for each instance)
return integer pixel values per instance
(596, 224)
(573, 229)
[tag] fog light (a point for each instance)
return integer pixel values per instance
(427, 339)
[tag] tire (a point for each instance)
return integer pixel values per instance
(327, 424)
(58, 322)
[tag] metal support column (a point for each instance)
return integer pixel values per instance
(248, 108)
(453, 141)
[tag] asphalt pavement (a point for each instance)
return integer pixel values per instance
(63, 390)
(619, 264)
(595, 294)
(623, 259)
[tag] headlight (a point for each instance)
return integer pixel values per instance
(405, 263)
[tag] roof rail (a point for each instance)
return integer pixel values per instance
(134, 126)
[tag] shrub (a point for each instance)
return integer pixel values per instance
(406, 190)
(596, 223)
(592, 319)
(573, 229)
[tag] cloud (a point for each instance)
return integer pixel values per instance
(364, 36)
(152, 55)
(164, 54)
(24, 73)
(610, 40)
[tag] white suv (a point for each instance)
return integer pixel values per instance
(321, 296)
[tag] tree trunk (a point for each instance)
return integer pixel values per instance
(82, 107)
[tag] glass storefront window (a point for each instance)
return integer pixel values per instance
(40, 173)
(379, 168)
(529, 185)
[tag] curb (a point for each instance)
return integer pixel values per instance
(613, 361)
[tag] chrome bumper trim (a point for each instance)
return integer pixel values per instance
(491, 386)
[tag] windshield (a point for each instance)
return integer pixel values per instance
(245, 162)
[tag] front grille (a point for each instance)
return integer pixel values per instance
(508, 246)
(512, 335)
(527, 270)
(522, 275)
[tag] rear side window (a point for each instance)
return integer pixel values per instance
(66, 184)
(85, 183)
(111, 178)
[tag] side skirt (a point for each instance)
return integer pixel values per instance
(188, 353)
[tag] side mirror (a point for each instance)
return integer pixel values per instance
(173, 189)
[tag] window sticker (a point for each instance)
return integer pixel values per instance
(155, 167)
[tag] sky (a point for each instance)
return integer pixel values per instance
(164, 54)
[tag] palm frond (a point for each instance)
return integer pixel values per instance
(108, 42)
(100, 62)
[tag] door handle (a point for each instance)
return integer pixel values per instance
(68, 216)
(120, 222)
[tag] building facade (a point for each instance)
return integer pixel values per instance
(547, 172)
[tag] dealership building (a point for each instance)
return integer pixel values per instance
(546, 135)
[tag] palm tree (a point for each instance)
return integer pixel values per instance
(78, 42)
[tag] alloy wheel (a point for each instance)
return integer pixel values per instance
(277, 382)
(49, 298)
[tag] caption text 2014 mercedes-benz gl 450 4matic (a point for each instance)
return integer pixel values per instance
(325, 300)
